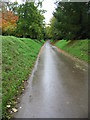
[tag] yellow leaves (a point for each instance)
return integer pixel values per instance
(8, 22)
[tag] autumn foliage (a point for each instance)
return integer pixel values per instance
(8, 23)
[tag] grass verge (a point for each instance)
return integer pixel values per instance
(18, 58)
(77, 48)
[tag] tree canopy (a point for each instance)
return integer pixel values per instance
(30, 21)
(24, 20)
(71, 21)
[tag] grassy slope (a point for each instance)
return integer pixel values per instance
(18, 58)
(78, 48)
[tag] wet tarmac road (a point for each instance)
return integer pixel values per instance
(57, 89)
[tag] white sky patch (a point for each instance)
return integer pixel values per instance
(19, 1)
(47, 5)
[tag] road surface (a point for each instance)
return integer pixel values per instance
(57, 88)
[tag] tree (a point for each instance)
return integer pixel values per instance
(30, 22)
(71, 20)
(8, 20)
(8, 23)
(13, 7)
(48, 32)
(55, 33)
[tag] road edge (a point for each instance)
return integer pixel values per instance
(79, 63)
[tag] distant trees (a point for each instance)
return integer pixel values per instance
(47, 31)
(54, 30)
(71, 21)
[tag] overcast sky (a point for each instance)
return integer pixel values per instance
(47, 5)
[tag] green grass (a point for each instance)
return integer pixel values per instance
(77, 48)
(18, 58)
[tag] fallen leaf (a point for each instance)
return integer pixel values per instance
(8, 106)
(14, 110)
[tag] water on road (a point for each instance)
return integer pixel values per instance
(57, 89)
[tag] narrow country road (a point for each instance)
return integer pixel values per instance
(57, 89)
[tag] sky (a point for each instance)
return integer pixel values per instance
(47, 5)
